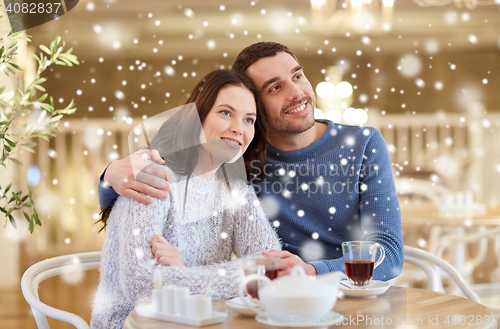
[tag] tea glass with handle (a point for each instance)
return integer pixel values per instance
(360, 260)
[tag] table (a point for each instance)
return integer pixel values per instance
(417, 307)
(427, 215)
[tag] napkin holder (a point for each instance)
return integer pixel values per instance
(175, 304)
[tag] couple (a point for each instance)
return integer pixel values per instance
(304, 176)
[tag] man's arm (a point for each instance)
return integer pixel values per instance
(380, 217)
(135, 178)
(379, 211)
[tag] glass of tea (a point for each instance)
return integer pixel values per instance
(359, 260)
(267, 265)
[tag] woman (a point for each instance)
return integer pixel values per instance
(208, 214)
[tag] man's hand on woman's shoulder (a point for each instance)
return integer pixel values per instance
(135, 178)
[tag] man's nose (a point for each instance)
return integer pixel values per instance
(294, 91)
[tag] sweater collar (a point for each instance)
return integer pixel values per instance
(276, 154)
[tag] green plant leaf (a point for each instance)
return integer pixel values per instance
(31, 226)
(29, 149)
(56, 118)
(37, 219)
(11, 143)
(42, 89)
(41, 80)
(17, 162)
(12, 221)
(30, 191)
(45, 49)
(46, 107)
(30, 144)
(26, 216)
(16, 196)
(43, 97)
(15, 66)
(7, 188)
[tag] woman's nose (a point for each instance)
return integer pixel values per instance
(237, 128)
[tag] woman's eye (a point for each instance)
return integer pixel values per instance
(225, 112)
(250, 120)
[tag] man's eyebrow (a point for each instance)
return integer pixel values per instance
(297, 68)
(270, 81)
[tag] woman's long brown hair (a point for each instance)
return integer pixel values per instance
(185, 124)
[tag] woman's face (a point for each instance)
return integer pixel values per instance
(229, 128)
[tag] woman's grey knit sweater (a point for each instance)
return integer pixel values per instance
(211, 227)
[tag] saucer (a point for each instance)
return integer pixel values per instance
(327, 320)
(237, 305)
(375, 288)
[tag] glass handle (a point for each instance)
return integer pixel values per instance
(382, 256)
(243, 288)
(261, 269)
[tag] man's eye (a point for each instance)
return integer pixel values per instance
(275, 88)
(298, 76)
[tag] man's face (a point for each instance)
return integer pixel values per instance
(287, 94)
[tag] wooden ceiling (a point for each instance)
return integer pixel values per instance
(109, 28)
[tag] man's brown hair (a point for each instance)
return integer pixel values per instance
(253, 53)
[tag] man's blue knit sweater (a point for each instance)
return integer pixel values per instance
(338, 189)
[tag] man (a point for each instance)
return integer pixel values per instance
(328, 183)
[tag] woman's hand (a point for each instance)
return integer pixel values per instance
(165, 253)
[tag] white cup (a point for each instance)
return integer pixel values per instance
(199, 306)
(168, 300)
(180, 296)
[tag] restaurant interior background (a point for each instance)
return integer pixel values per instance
(426, 76)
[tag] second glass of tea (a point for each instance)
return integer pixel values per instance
(267, 265)
(359, 260)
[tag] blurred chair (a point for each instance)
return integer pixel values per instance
(423, 259)
(481, 236)
(427, 187)
(47, 269)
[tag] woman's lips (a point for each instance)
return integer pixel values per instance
(231, 143)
